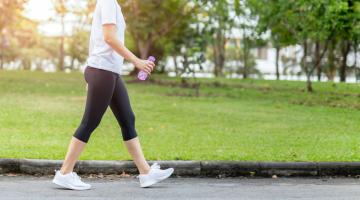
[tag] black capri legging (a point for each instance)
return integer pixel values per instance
(106, 88)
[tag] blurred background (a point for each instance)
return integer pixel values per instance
(287, 40)
(234, 78)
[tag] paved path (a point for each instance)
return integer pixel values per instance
(26, 188)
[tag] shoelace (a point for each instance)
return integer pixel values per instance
(75, 176)
(155, 166)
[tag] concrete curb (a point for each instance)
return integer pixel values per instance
(189, 168)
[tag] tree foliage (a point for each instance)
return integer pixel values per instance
(195, 32)
(315, 25)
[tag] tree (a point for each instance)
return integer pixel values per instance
(192, 49)
(315, 25)
(220, 19)
(330, 66)
(25, 42)
(61, 10)
(78, 47)
(78, 43)
(189, 45)
(311, 25)
(348, 17)
(268, 18)
(314, 30)
(242, 60)
(151, 22)
(10, 14)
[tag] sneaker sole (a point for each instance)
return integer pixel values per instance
(61, 184)
(145, 185)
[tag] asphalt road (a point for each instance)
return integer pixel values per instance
(27, 188)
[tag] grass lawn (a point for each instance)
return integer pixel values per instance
(231, 120)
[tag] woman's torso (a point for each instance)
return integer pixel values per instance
(101, 55)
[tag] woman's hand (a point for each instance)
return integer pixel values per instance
(145, 65)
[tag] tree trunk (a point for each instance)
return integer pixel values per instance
(176, 65)
(305, 66)
(309, 87)
(62, 44)
(317, 60)
(1, 61)
(245, 52)
(245, 73)
(345, 52)
(185, 62)
(216, 61)
(331, 61)
(26, 64)
(277, 63)
(219, 53)
(144, 48)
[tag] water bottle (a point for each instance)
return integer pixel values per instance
(142, 74)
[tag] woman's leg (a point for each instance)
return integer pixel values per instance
(101, 86)
(75, 148)
(120, 105)
(136, 153)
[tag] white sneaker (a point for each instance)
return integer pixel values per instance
(70, 181)
(154, 176)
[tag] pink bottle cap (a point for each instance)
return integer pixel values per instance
(152, 59)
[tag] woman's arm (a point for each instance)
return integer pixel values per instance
(111, 39)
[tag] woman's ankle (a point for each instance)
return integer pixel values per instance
(65, 171)
(144, 171)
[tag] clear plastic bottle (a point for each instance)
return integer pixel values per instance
(143, 75)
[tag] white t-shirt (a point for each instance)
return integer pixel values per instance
(101, 55)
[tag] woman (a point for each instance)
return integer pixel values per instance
(106, 88)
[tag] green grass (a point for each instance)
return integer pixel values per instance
(231, 120)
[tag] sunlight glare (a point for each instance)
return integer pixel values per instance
(39, 10)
